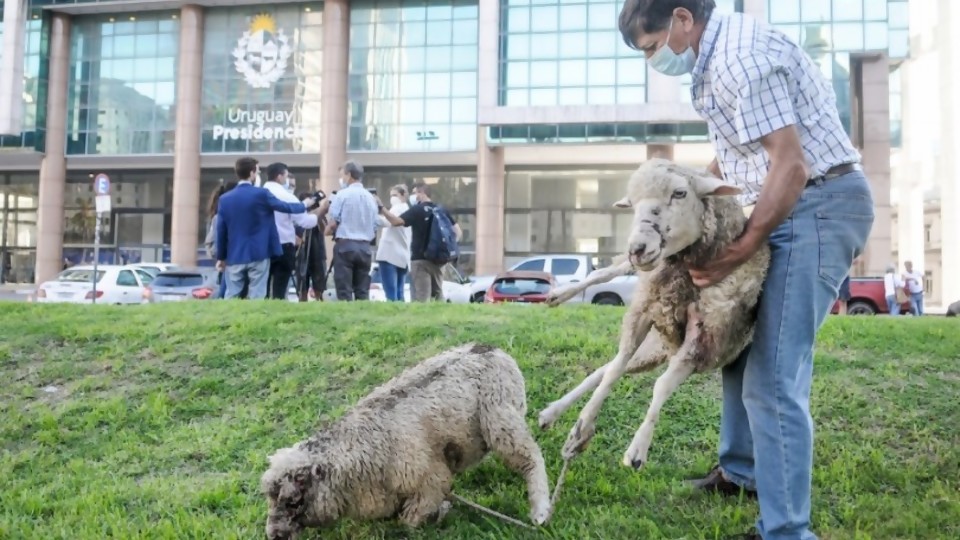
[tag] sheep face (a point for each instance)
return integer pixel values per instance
(297, 495)
(667, 200)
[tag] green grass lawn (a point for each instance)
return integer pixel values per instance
(163, 417)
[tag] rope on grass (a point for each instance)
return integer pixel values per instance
(493, 513)
(508, 519)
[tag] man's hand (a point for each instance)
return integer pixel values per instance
(308, 202)
(726, 261)
(221, 266)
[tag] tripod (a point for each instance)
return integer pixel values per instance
(300, 275)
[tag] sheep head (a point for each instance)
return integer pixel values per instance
(668, 205)
(297, 495)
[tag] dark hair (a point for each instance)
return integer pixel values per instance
(275, 170)
(245, 167)
(648, 16)
(214, 201)
(354, 169)
(422, 187)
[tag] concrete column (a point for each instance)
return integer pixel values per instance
(186, 159)
(53, 168)
(949, 58)
(664, 151)
(874, 114)
(491, 177)
(11, 87)
(333, 111)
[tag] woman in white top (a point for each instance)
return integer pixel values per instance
(393, 253)
(892, 282)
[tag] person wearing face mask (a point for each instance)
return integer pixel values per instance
(247, 236)
(393, 253)
(777, 134)
(281, 267)
(353, 225)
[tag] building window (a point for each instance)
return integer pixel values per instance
(262, 78)
(122, 86)
(567, 53)
(29, 137)
(928, 284)
(565, 211)
(927, 240)
(413, 75)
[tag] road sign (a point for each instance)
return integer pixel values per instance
(101, 184)
(103, 204)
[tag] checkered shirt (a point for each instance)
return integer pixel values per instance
(750, 80)
(355, 210)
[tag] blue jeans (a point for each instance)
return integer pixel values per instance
(392, 277)
(892, 305)
(916, 303)
(254, 274)
(766, 430)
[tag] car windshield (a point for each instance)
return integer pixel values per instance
(178, 280)
(80, 276)
(521, 286)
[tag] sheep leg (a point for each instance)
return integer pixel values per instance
(650, 354)
(430, 501)
(505, 432)
(678, 370)
(568, 291)
(632, 335)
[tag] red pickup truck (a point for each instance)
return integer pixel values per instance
(867, 298)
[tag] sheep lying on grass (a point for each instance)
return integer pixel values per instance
(682, 218)
(397, 450)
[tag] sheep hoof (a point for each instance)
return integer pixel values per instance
(541, 515)
(637, 464)
(578, 439)
(546, 419)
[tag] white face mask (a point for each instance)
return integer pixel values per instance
(395, 200)
(256, 180)
(342, 184)
(413, 200)
(670, 63)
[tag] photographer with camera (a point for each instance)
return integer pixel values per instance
(282, 267)
(311, 267)
(353, 225)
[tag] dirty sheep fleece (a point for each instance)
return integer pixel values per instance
(398, 449)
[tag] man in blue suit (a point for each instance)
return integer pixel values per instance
(247, 233)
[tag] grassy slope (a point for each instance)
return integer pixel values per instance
(164, 416)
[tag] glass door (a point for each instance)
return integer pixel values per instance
(141, 236)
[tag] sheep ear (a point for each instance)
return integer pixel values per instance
(711, 186)
(622, 203)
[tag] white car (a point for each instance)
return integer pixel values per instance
(456, 288)
(115, 285)
(154, 268)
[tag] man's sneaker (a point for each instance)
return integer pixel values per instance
(714, 481)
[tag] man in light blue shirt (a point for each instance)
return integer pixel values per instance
(353, 225)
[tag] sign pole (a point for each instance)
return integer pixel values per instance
(101, 187)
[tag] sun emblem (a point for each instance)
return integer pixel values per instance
(262, 52)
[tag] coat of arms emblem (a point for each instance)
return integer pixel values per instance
(262, 52)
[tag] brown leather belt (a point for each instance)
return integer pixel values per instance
(833, 172)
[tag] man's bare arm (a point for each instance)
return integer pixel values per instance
(785, 181)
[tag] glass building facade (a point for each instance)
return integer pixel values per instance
(122, 89)
(413, 75)
(416, 77)
(261, 78)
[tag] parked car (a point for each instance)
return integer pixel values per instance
(154, 268)
(867, 298)
(523, 287)
(567, 268)
(182, 284)
(115, 285)
(455, 287)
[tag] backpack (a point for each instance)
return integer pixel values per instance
(442, 247)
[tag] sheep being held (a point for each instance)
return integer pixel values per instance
(682, 218)
(397, 450)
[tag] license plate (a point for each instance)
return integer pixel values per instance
(170, 298)
(65, 295)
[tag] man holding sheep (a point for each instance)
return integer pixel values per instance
(777, 133)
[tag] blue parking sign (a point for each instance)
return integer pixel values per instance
(101, 184)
